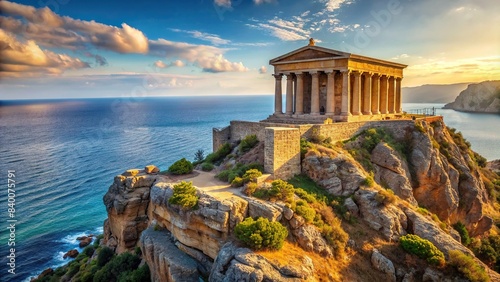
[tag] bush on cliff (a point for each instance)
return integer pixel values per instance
(218, 156)
(467, 266)
(248, 143)
(207, 166)
(180, 167)
(488, 251)
(261, 233)
(239, 170)
(422, 248)
(464, 234)
(184, 195)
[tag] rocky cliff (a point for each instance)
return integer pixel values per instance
(433, 173)
(481, 97)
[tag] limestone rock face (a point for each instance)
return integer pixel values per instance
(166, 262)
(381, 263)
(309, 238)
(126, 202)
(392, 169)
(338, 175)
(205, 228)
(389, 220)
(241, 264)
(481, 97)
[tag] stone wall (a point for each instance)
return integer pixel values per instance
(220, 136)
(282, 152)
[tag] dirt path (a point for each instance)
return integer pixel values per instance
(207, 182)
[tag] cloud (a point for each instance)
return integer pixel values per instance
(332, 5)
(51, 30)
(209, 58)
(223, 3)
(99, 60)
(28, 59)
(162, 65)
(263, 70)
(286, 30)
(212, 38)
(258, 2)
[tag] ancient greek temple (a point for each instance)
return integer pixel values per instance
(323, 83)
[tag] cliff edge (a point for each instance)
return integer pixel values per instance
(482, 97)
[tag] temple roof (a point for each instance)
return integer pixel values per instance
(315, 53)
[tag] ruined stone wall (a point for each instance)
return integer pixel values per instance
(220, 136)
(282, 152)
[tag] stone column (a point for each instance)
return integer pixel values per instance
(315, 94)
(289, 94)
(294, 93)
(399, 107)
(299, 98)
(346, 85)
(383, 94)
(390, 97)
(330, 93)
(367, 94)
(376, 94)
(278, 103)
(356, 94)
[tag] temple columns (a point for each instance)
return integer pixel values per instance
(383, 94)
(356, 94)
(376, 94)
(346, 85)
(278, 103)
(390, 97)
(330, 93)
(299, 97)
(398, 95)
(315, 94)
(289, 94)
(367, 94)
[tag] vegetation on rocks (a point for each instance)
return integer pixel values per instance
(488, 250)
(248, 143)
(184, 195)
(207, 166)
(464, 234)
(218, 156)
(467, 266)
(385, 197)
(239, 170)
(180, 167)
(422, 248)
(261, 233)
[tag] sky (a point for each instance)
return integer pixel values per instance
(74, 48)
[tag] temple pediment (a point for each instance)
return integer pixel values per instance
(308, 53)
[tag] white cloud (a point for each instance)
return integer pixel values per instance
(285, 30)
(258, 2)
(28, 59)
(263, 70)
(177, 63)
(52, 30)
(332, 5)
(223, 3)
(160, 64)
(212, 38)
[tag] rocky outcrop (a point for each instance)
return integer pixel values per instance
(71, 254)
(338, 174)
(126, 202)
(234, 263)
(383, 264)
(494, 166)
(481, 97)
(166, 262)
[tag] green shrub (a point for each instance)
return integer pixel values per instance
(261, 233)
(124, 263)
(422, 248)
(250, 188)
(218, 156)
(488, 250)
(310, 187)
(251, 175)
(336, 237)
(468, 267)
(199, 156)
(248, 143)
(105, 255)
(368, 181)
(184, 195)
(304, 210)
(385, 196)
(207, 166)
(180, 167)
(464, 234)
(281, 189)
(237, 182)
(303, 194)
(88, 251)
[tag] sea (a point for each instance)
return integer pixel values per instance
(63, 155)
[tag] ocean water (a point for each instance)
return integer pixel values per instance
(65, 154)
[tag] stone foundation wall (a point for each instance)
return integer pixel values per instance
(220, 136)
(282, 152)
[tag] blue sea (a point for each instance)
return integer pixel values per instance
(65, 154)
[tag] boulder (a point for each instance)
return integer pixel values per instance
(47, 272)
(166, 262)
(383, 264)
(151, 169)
(351, 206)
(258, 208)
(131, 172)
(84, 241)
(71, 253)
(309, 238)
